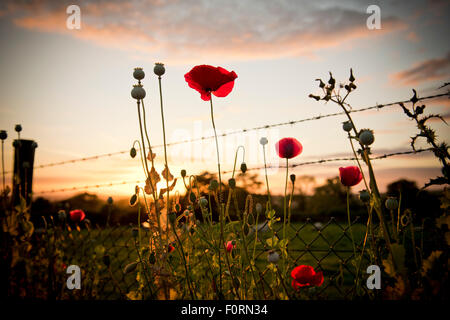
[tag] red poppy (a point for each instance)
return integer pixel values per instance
(230, 246)
(288, 148)
(304, 276)
(206, 79)
(77, 215)
(350, 176)
(170, 248)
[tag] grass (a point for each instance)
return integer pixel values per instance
(328, 250)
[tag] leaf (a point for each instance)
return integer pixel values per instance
(171, 187)
(436, 181)
(152, 180)
(166, 174)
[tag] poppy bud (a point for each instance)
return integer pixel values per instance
(292, 176)
(414, 99)
(152, 258)
(258, 208)
(273, 256)
(138, 74)
(135, 232)
(133, 152)
(3, 135)
(314, 97)
(183, 173)
(159, 69)
(172, 217)
(364, 196)
(230, 245)
(391, 203)
(106, 260)
(203, 202)
(347, 126)
(232, 183)
(250, 219)
(352, 78)
(243, 167)
(130, 267)
(352, 86)
(263, 141)
(366, 137)
(138, 92)
(213, 185)
(246, 229)
(109, 201)
(18, 128)
(133, 200)
(192, 197)
(177, 207)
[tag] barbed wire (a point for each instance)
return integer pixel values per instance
(267, 126)
(294, 165)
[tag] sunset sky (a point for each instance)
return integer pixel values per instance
(70, 89)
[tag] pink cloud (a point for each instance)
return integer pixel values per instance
(433, 69)
(189, 31)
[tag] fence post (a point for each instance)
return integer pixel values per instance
(23, 170)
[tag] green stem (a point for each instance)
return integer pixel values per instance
(350, 222)
(285, 198)
(267, 179)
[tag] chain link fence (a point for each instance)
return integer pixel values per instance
(327, 247)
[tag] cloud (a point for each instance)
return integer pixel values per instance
(433, 69)
(181, 31)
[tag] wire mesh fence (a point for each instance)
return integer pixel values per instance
(102, 253)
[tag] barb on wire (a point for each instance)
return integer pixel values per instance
(267, 126)
(320, 161)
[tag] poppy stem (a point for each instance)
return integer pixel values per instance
(267, 179)
(350, 222)
(165, 160)
(285, 198)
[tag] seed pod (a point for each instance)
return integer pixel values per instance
(177, 207)
(138, 92)
(321, 83)
(273, 256)
(192, 197)
(347, 126)
(159, 69)
(110, 201)
(138, 73)
(259, 208)
(203, 202)
(18, 128)
(62, 215)
(366, 137)
(3, 135)
(263, 141)
(232, 183)
(243, 167)
(364, 196)
(391, 203)
(213, 185)
(183, 173)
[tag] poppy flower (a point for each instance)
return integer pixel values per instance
(77, 215)
(350, 176)
(288, 148)
(170, 248)
(206, 79)
(304, 276)
(230, 246)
